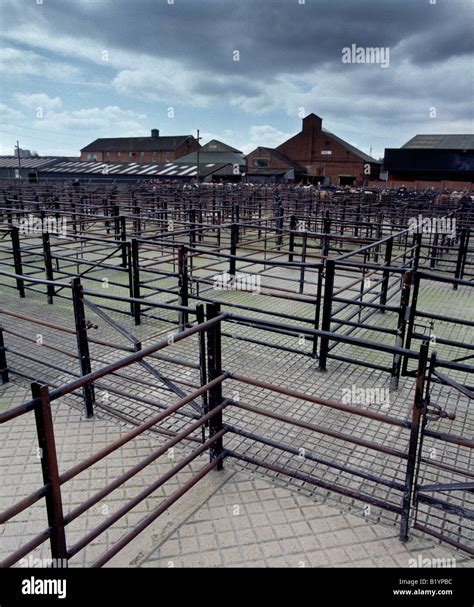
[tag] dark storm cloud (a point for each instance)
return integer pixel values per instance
(290, 61)
(273, 36)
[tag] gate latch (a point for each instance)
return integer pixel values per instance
(436, 412)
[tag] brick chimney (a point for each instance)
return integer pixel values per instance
(155, 133)
(312, 122)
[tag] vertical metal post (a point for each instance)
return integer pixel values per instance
(303, 261)
(234, 237)
(115, 212)
(138, 223)
(462, 252)
(82, 343)
(3, 359)
(327, 309)
(465, 251)
(318, 308)
(402, 323)
(214, 365)
(259, 218)
(413, 444)
(15, 236)
(106, 215)
(135, 269)
(417, 243)
(123, 238)
(386, 273)
(200, 221)
(49, 466)
(57, 207)
(378, 236)
(292, 237)
(411, 318)
(130, 277)
(182, 286)
(356, 231)
(362, 287)
(280, 220)
(219, 222)
(200, 318)
(48, 266)
(237, 221)
(327, 231)
(434, 251)
(192, 227)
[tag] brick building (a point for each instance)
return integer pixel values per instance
(140, 149)
(325, 157)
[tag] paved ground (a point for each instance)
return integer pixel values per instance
(230, 519)
(79, 438)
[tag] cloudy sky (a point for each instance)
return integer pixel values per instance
(243, 71)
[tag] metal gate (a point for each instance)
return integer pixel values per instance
(443, 496)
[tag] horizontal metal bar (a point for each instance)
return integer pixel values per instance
(140, 466)
(459, 510)
(26, 548)
(313, 481)
(443, 538)
(124, 362)
(126, 539)
(321, 430)
(446, 487)
(314, 458)
(454, 384)
(387, 419)
(89, 537)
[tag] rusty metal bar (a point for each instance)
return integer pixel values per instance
(154, 515)
(418, 406)
(49, 466)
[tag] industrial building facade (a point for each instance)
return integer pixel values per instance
(432, 161)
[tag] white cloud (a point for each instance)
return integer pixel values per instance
(39, 100)
(6, 150)
(65, 132)
(17, 62)
(107, 119)
(263, 135)
(8, 114)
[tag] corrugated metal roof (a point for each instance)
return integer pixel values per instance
(145, 169)
(26, 163)
(136, 144)
(441, 142)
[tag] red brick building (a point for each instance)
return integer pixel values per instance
(325, 157)
(140, 149)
